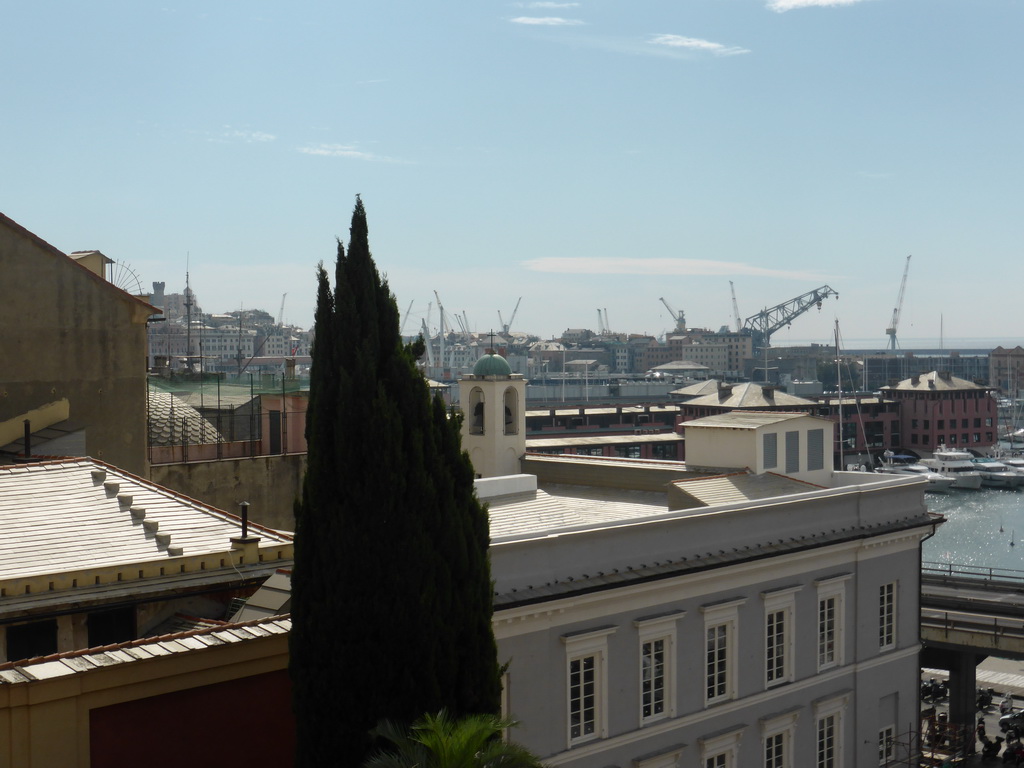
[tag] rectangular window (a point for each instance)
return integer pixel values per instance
(657, 638)
(827, 631)
(652, 682)
(828, 718)
(887, 745)
(720, 751)
(778, 635)
(775, 646)
(887, 615)
(582, 697)
(775, 751)
(586, 684)
(942, 423)
(720, 635)
(977, 437)
(771, 451)
(831, 594)
(826, 745)
(776, 740)
(927, 424)
(717, 665)
(792, 451)
(815, 449)
(963, 438)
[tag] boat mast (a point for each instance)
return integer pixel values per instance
(839, 389)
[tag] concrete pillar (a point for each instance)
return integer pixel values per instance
(963, 689)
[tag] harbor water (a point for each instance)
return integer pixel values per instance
(983, 528)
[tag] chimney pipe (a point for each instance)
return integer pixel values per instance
(28, 439)
(245, 519)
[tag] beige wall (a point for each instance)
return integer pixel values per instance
(47, 723)
(269, 483)
(70, 334)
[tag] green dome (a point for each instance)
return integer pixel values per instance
(492, 365)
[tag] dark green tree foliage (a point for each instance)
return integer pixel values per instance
(391, 590)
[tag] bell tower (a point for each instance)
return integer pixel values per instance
(494, 416)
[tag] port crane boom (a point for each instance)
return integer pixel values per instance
(735, 308)
(895, 321)
(506, 326)
(678, 317)
(768, 321)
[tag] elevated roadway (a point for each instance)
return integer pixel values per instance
(967, 614)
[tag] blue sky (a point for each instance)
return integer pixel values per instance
(578, 154)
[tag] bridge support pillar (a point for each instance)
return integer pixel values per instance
(963, 694)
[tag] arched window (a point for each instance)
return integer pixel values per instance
(476, 411)
(511, 411)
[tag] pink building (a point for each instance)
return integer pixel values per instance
(937, 409)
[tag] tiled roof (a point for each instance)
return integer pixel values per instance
(173, 422)
(77, 662)
(743, 419)
(82, 514)
(560, 508)
(535, 443)
(740, 486)
(750, 395)
(935, 381)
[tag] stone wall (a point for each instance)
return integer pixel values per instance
(269, 483)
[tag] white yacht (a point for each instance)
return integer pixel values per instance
(996, 474)
(936, 483)
(956, 464)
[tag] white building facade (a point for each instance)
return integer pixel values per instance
(775, 634)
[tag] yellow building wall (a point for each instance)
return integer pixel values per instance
(70, 334)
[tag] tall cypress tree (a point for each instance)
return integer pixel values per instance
(391, 590)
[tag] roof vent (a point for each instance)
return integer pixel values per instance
(124, 499)
(151, 525)
(111, 486)
(139, 513)
(175, 551)
(99, 475)
(163, 539)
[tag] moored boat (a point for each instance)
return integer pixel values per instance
(950, 462)
(936, 483)
(996, 474)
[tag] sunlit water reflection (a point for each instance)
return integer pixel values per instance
(983, 528)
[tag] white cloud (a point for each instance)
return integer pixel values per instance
(345, 150)
(234, 134)
(696, 44)
(586, 265)
(781, 6)
(546, 21)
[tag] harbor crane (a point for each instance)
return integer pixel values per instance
(895, 321)
(678, 317)
(766, 322)
(735, 308)
(280, 314)
(401, 331)
(505, 326)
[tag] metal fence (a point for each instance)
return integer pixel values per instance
(193, 418)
